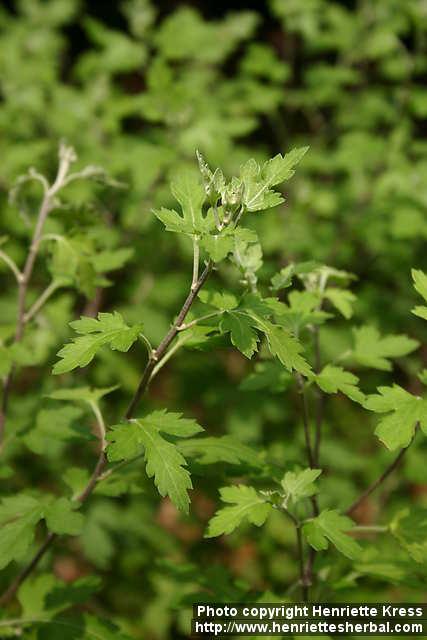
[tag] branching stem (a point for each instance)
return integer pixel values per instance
(156, 357)
(379, 481)
(51, 537)
(158, 354)
(66, 157)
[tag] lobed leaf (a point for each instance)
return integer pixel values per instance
(108, 328)
(246, 503)
(330, 526)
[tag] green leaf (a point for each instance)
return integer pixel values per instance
(283, 279)
(163, 460)
(409, 527)
(285, 347)
(106, 261)
(372, 350)
(221, 300)
(246, 503)
(166, 464)
(53, 427)
(243, 336)
(404, 412)
(125, 442)
(18, 518)
(61, 518)
(331, 526)
(333, 379)
(191, 195)
(32, 595)
(88, 395)
(281, 168)
(299, 484)
(76, 478)
(223, 449)
(342, 299)
(218, 246)
(109, 328)
(173, 424)
(258, 182)
(420, 284)
(269, 375)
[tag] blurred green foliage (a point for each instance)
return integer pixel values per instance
(137, 96)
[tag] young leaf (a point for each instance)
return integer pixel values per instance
(342, 299)
(404, 412)
(109, 328)
(372, 350)
(257, 182)
(331, 526)
(333, 379)
(281, 168)
(163, 460)
(299, 484)
(191, 195)
(246, 503)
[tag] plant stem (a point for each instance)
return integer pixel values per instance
(51, 537)
(41, 300)
(320, 399)
(370, 529)
(66, 156)
(155, 358)
(23, 575)
(11, 264)
(308, 570)
(379, 481)
(196, 260)
(306, 421)
(160, 352)
(193, 323)
(178, 344)
(300, 551)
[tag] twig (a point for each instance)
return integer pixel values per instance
(320, 399)
(23, 575)
(193, 323)
(66, 157)
(155, 358)
(392, 466)
(196, 260)
(308, 570)
(11, 264)
(306, 421)
(300, 551)
(158, 353)
(42, 299)
(51, 537)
